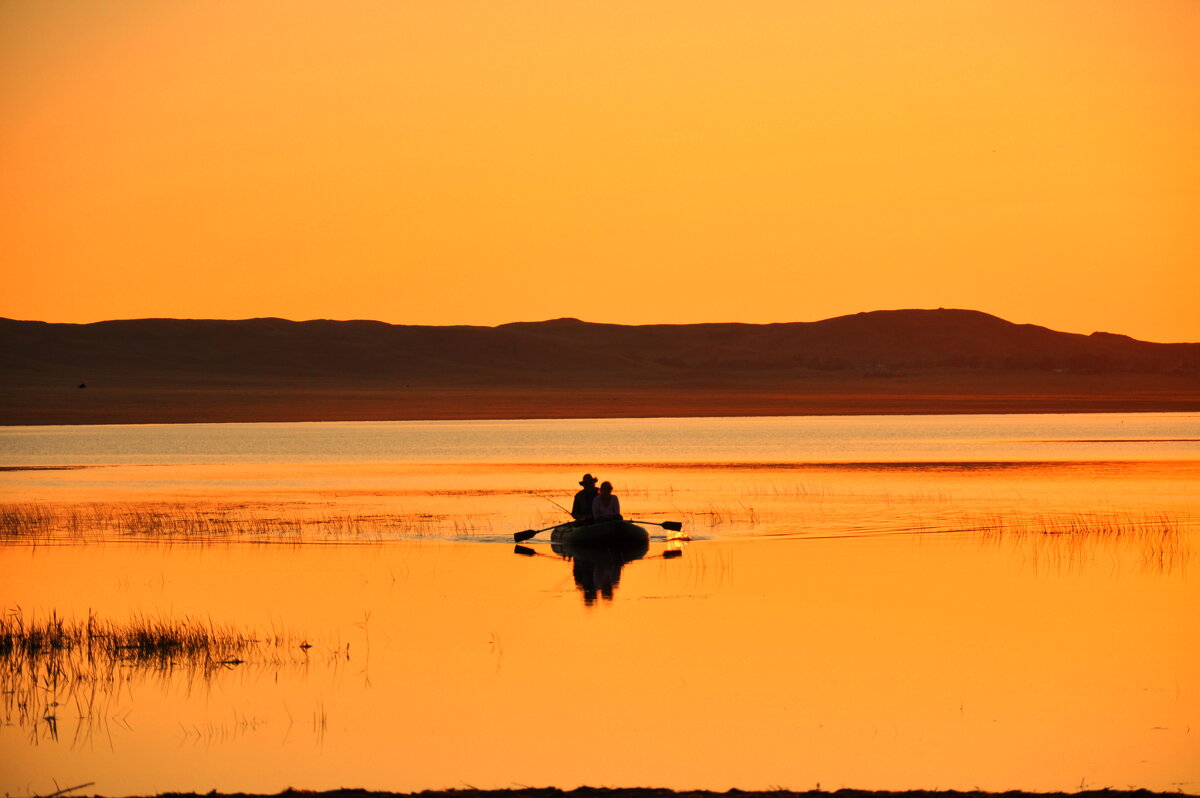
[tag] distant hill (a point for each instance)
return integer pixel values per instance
(966, 352)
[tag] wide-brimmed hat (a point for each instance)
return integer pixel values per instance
(588, 479)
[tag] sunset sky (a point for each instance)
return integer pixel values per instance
(634, 162)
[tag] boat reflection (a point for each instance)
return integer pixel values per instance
(597, 569)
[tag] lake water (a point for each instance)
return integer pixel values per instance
(873, 602)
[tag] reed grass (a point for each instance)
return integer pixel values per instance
(1156, 537)
(33, 522)
(25, 519)
(141, 640)
(52, 664)
(740, 515)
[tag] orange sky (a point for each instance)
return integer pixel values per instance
(633, 162)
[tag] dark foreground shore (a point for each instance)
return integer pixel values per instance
(599, 792)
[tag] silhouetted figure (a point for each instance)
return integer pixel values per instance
(606, 506)
(581, 510)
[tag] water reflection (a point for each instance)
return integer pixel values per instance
(1035, 614)
(597, 569)
(1049, 437)
(1006, 671)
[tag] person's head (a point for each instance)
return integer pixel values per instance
(588, 481)
(606, 488)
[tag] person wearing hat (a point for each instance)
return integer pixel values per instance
(581, 510)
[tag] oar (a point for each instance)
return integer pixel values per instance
(525, 551)
(528, 533)
(671, 526)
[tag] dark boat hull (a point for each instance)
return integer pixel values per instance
(603, 533)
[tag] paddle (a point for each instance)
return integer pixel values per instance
(528, 533)
(671, 526)
(525, 551)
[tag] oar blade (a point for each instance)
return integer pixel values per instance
(526, 535)
(672, 526)
(524, 551)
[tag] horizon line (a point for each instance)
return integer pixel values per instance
(581, 321)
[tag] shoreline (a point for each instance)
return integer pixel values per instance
(613, 417)
(946, 395)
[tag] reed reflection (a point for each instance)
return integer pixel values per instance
(87, 668)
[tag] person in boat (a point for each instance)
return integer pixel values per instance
(581, 510)
(606, 506)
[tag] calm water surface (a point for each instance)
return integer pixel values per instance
(876, 602)
(1084, 436)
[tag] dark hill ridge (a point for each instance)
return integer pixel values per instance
(262, 369)
(890, 338)
(276, 349)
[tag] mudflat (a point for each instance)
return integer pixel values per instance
(914, 392)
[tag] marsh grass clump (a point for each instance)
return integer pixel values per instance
(1158, 539)
(142, 640)
(54, 662)
(204, 522)
(714, 516)
(37, 522)
(26, 519)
